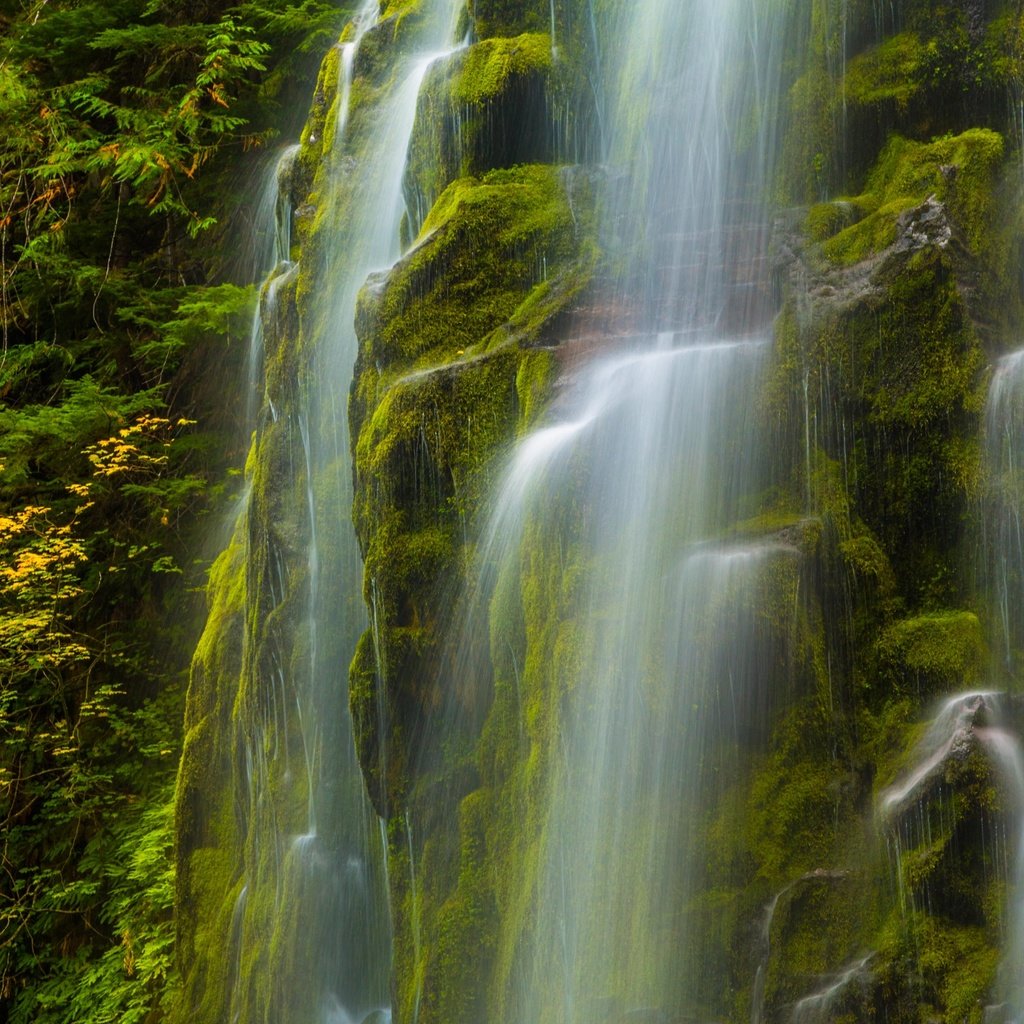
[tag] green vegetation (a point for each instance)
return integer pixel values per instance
(126, 125)
(955, 171)
(123, 124)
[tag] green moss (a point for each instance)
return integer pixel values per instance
(824, 220)
(901, 359)
(490, 65)
(207, 841)
(934, 653)
(533, 385)
(399, 8)
(887, 73)
(465, 921)
(958, 171)
(500, 103)
(508, 17)
(944, 970)
(504, 249)
(792, 811)
(320, 123)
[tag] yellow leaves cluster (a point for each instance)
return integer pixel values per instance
(130, 450)
(41, 560)
(44, 567)
(124, 452)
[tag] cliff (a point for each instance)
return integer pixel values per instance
(648, 740)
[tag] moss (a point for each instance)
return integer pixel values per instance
(465, 922)
(441, 383)
(206, 835)
(897, 359)
(493, 251)
(534, 379)
(887, 73)
(792, 809)
(319, 124)
(958, 171)
(932, 966)
(490, 65)
(508, 17)
(499, 103)
(824, 220)
(393, 36)
(934, 653)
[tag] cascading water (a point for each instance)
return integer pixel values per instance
(1004, 522)
(913, 811)
(272, 230)
(310, 923)
(633, 586)
(1003, 585)
(616, 523)
(667, 671)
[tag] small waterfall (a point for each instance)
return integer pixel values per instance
(310, 927)
(986, 722)
(1003, 584)
(1004, 542)
(843, 994)
(271, 252)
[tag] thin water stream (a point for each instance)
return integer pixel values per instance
(1003, 586)
(987, 723)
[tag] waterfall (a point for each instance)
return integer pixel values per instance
(309, 928)
(633, 663)
(1004, 542)
(987, 723)
(272, 221)
(1003, 586)
(665, 676)
(590, 655)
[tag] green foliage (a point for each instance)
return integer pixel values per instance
(889, 72)
(124, 972)
(958, 171)
(123, 127)
(87, 743)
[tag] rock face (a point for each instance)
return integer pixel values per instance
(889, 280)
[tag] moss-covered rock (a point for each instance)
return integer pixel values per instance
(488, 106)
(441, 382)
(958, 173)
(508, 17)
(934, 653)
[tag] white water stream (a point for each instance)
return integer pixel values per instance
(314, 910)
(966, 722)
(631, 484)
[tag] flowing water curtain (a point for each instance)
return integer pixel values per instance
(307, 918)
(630, 654)
(692, 140)
(658, 676)
(1002, 578)
(662, 685)
(337, 962)
(1003, 543)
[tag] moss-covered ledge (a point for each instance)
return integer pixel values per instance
(487, 106)
(447, 368)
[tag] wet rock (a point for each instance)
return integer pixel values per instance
(927, 224)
